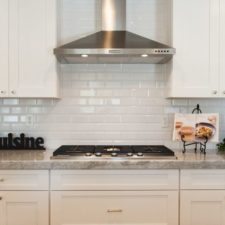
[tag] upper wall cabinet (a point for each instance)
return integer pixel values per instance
(28, 36)
(198, 68)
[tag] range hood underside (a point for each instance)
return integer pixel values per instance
(114, 47)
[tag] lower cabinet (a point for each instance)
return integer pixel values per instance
(114, 207)
(202, 207)
(24, 208)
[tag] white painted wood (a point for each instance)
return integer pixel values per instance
(114, 180)
(32, 37)
(114, 207)
(4, 48)
(222, 47)
(202, 207)
(202, 179)
(24, 180)
(24, 208)
(195, 71)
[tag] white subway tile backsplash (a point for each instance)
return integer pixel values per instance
(10, 119)
(10, 101)
(103, 103)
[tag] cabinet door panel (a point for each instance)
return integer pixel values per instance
(114, 207)
(32, 37)
(222, 47)
(4, 48)
(202, 207)
(196, 38)
(24, 208)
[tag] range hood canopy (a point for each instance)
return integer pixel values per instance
(114, 44)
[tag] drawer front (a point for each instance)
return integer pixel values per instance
(202, 179)
(114, 207)
(114, 180)
(24, 180)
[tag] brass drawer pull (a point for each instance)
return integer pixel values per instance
(114, 210)
(1, 198)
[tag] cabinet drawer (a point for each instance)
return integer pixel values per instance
(24, 180)
(114, 207)
(114, 180)
(203, 179)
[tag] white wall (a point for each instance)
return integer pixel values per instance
(106, 104)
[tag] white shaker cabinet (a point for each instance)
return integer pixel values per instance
(24, 208)
(114, 207)
(114, 197)
(28, 65)
(202, 197)
(197, 37)
(24, 197)
(4, 54)
(205, 207)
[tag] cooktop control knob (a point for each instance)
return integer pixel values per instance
(140, 154)
(130, 154)
(88, 154)
(98, 154)
(114, 154)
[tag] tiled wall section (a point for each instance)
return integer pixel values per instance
(126, 106)
(106, 104)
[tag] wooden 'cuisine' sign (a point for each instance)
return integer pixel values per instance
(21, 143)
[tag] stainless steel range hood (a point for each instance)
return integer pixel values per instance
(114, 44)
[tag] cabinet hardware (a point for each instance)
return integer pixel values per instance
(1, 198)
(13, 92)
(224, 92)
(2, 180)
(214, 92)
(2, 92)
(114, 210)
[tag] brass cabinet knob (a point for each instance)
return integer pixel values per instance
(114, 210)
(215, 92)
(2, 179)
(13, 92)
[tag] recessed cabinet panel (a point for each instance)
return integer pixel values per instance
(202, 207)
(195, 70)
(222, 47)
(24, 180)
(24, 208)
(114, 207)
(202, 179)
(4, 41)
(32, 36)
(114, 180)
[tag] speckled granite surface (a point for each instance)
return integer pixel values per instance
(38, 160)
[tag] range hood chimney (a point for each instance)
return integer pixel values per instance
(114, 44)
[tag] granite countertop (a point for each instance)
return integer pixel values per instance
(39, 160)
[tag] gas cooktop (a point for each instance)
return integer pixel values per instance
(121, 152)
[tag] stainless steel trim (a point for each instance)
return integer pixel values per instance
(91, 158)
(113, 15)
(138, 52)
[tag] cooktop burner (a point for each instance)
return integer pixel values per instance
(122, 151)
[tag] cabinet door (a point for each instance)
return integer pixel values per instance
(114, 207)
(202, 207)
(222, 47)
(4, 48)
(195, 70)
(32, 37)
(24, 208)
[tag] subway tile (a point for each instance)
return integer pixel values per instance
(10, 119)
(10, 101)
